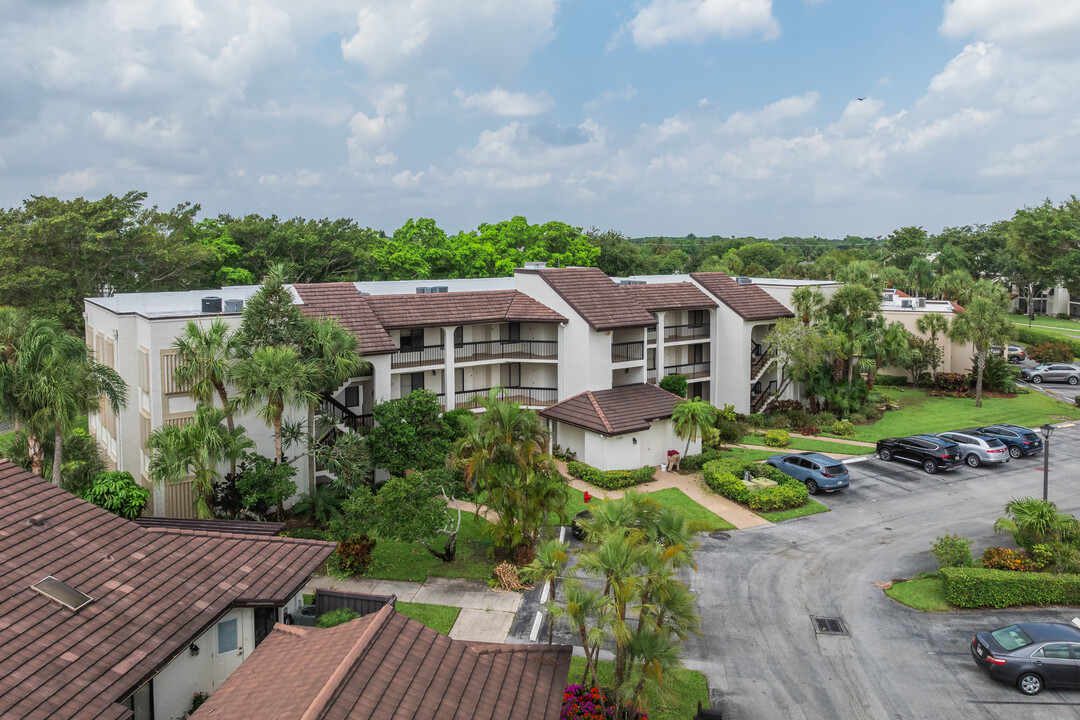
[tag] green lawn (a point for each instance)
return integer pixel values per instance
(922, 593)
(812, 507)
(436, 617)
(750, 455)
(1050, 324)
(671, 498)
(395, 560)
(802, 444)
(688, 686)
(923, 414)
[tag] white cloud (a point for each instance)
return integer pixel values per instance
(505, 103)
(153, 132)
(666, 21)
(784, 109)
(371, 130)
(300, 179)
(79, 181)
(1033, 25)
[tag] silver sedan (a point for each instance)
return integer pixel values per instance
(978, 449)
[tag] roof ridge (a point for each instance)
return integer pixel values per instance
(324, 699)
(599, 412)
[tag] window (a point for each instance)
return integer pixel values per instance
(410, 382)
(511, 332)
(696, 318)
(1011, 638)
(459, 336)
(412, 339)
(227, 636)
(1057, 651)
(352, 396)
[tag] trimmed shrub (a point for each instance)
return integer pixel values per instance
(891, 380)
(843, 428)
(336, 617)
(811, 429)
(980, 587)
(823, 419)
(777, 438)
(675, 384)
(696, 462)
(1062, 316)
(355, 554)
(732, 431)
(781, 497)
(118, 493)
(1033, 337)
(611, 479)
(306, 533)
(1050, 351)
(951, 382)
(798, 418)
(951, 551)
(998, 558)
(724, 476)
(583, 471)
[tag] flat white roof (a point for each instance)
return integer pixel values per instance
(166, 304)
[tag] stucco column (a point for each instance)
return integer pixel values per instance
(660, 318)
(449, 378)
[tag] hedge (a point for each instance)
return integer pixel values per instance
(696, 462)
(777, 438)
(1033, 337)
(979, 587)
(610, 479)
(725, 477)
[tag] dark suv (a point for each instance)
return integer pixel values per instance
(932, 453)
(1020, 440)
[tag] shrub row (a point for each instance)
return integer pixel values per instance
(1049, 351)
(725, 477)
(1034, 337)
(892, 380)
(979, 587)
(696, 462)
(610, 479)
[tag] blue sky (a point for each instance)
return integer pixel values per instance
(731, 117)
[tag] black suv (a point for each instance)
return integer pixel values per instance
(1020, 440)
(932, 453)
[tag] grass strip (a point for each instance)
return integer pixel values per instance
(812, 507)
(437, 617)
(925, 593)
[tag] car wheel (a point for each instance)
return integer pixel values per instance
(930, 467)
(1015, 452)
(1073, 380)
(1014, 360)
(973, 460)
(885, 454)
(1037, 379)
(1029, 684)
(811, 487)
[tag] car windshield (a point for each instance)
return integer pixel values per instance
(835, 469)
(1011, 638)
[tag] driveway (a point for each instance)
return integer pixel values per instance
(759, 588)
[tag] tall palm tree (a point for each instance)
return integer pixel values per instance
(1032, 521)
(204, 357)
(548, 566)
(691, 418)
(271, 379)
(933, 324)
(194, 450)
(581, 606)
(983, 323)
(809, 303)
(334, 352)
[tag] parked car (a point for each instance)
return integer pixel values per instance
(932, 453)
(1031, 656)
(1013, 353)
(1052, 372)
(575, 524)
(977, 448)
(1020, 440)
(816, 471)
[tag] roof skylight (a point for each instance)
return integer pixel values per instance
(59, 591)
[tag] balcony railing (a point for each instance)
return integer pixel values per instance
(675, 333)
(650, 335)
(507, 350)
(689, 370)
(760, 394)
(627, 351)
(418, 357)
(531, 396)
(650, 375)
(342, 414)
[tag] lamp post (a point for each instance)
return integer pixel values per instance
(1047, 431)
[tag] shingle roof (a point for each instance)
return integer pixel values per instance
(749, 301)
(617, 411)
(386, 665)
(459, 308)
(345, 303)
(667, 296)
(595, 297)
(154, 591)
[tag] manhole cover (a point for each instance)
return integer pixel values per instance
(719, 535)
(829, 626)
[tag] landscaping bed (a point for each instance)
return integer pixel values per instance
(687, 688)
(702, 519)
(725, 477)
(610, 479)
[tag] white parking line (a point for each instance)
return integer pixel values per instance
(849, 461)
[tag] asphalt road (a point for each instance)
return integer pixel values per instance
(759, 588)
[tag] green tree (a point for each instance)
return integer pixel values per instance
(409, 433)
(984, 322)
(904, 245)
(691, 418)
(204, 357)
(1033, 521)
(410, 509)
(270, 317)
(809, 303)
(118, 493)
(933, 324)
(263, 484)
(271, 379)
(547, 567)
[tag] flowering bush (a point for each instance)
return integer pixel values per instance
(996, 558)
(582, 703)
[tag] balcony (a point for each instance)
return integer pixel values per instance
(650, 335)
(418, 357)
(529, 396)
(507, 350)
(690, 371)
(627, 351)
(679, 333)
(650, 375)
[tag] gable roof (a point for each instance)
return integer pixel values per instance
(667, 296)
(154, 591)
(595, 297)
(386, 665)
(748, 301)
(621, 410)
(459, 308)
(342, 301)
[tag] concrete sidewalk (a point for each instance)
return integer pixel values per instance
(486, 615)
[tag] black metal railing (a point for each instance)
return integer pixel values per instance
(650, 375)
(689, 370)
(530, 396)
(675, 333)
(331, 408)
(650, 335)
(760, 356)
(507, 350)
(627, 351)
(418, 357)
(760, 394)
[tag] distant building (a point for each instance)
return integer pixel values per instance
(897, 305)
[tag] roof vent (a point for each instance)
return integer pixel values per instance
(439, 289)
(743, 280)
(211, 304)
(632, 282)
(38, 521)
(59, 591)
(536, 264)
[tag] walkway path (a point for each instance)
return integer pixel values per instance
(842, 441)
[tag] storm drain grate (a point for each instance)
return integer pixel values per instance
(719, 535)
(829, 626)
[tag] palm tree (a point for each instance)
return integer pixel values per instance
(334, 352)
(1032, 521)
(548, 566)
(933, 324)
(809, 303)
(983, 323)
(271, 379)
(691, 419)
(204, 358)
(194, 450)
(581, 605)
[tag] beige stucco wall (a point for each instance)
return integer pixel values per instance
(956, 357)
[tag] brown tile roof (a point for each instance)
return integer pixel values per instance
(154, 591)
(667, 296)
(459, 308)
(596, 298)
(617, 411)
(749, 301)
(345, 303)
(384, 666)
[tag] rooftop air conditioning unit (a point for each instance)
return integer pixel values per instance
(905, 303)
(922, 302)
(422, 290)
(632, 282)
(744, 280)
(234, 306)
(889, 297)
(439, 289)
(211, 304)
(535, 264)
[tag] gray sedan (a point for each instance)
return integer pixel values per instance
(1052, 372)
(978, 449)
(817, 471)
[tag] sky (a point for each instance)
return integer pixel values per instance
(669, 117)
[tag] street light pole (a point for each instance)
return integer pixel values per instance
(1047, 431)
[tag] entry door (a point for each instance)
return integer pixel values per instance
(228, 648)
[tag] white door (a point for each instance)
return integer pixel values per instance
(228, 648)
